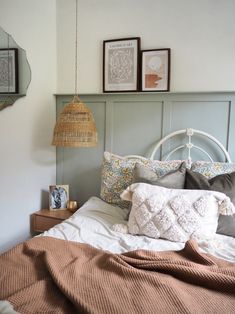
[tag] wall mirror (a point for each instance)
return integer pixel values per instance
(15, 73)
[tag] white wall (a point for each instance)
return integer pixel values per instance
(27, 161)
(199, 32)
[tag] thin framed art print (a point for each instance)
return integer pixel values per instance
(121, 65)
(58, 196)
(8, 71)
(155, 70)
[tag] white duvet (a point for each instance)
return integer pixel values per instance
(93, 222)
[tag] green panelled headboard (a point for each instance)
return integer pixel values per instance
(130, 124)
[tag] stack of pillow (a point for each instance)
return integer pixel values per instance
(169, 200)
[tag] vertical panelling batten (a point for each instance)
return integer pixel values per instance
(231, 130)
(166, 123)
(108, 141)
(228, 126)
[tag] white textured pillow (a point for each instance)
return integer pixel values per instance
(175, 214)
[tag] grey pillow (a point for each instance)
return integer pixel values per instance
(224, 183)
(174, 179)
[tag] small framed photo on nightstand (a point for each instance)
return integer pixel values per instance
(58, 197)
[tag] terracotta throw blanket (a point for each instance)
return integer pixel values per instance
(47, 275)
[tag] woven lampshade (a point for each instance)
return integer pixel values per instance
(75, 126)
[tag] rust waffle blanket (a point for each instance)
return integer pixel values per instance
(47, 275)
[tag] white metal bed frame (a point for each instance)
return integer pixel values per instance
(188, 145)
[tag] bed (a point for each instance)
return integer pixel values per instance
(109, 257)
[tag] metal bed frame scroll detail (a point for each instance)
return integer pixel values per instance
(189, 145)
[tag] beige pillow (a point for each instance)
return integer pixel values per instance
(174, 179)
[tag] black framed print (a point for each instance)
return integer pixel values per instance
(8, 71)
(155, 70)
(121, 65)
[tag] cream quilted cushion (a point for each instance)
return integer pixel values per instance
(176, 215)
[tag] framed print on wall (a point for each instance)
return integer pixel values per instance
(58, 196)
(8, 71)
(121, 65)
(155, 70)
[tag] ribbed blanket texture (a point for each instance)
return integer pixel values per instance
(47, 275)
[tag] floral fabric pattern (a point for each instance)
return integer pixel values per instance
(212, 169)
(118, 173)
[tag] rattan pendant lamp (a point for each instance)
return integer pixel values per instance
(75, 126)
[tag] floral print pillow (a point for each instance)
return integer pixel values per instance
(212, 169)
(118, 173)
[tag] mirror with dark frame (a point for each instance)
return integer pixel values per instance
(15, 72)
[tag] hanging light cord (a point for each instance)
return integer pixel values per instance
(8, 64)
(75, 126)
(76, 50)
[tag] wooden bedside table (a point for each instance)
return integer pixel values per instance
(45, 219)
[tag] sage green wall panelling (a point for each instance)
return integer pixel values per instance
(132, 123)
(136, 125)
(209, 116)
